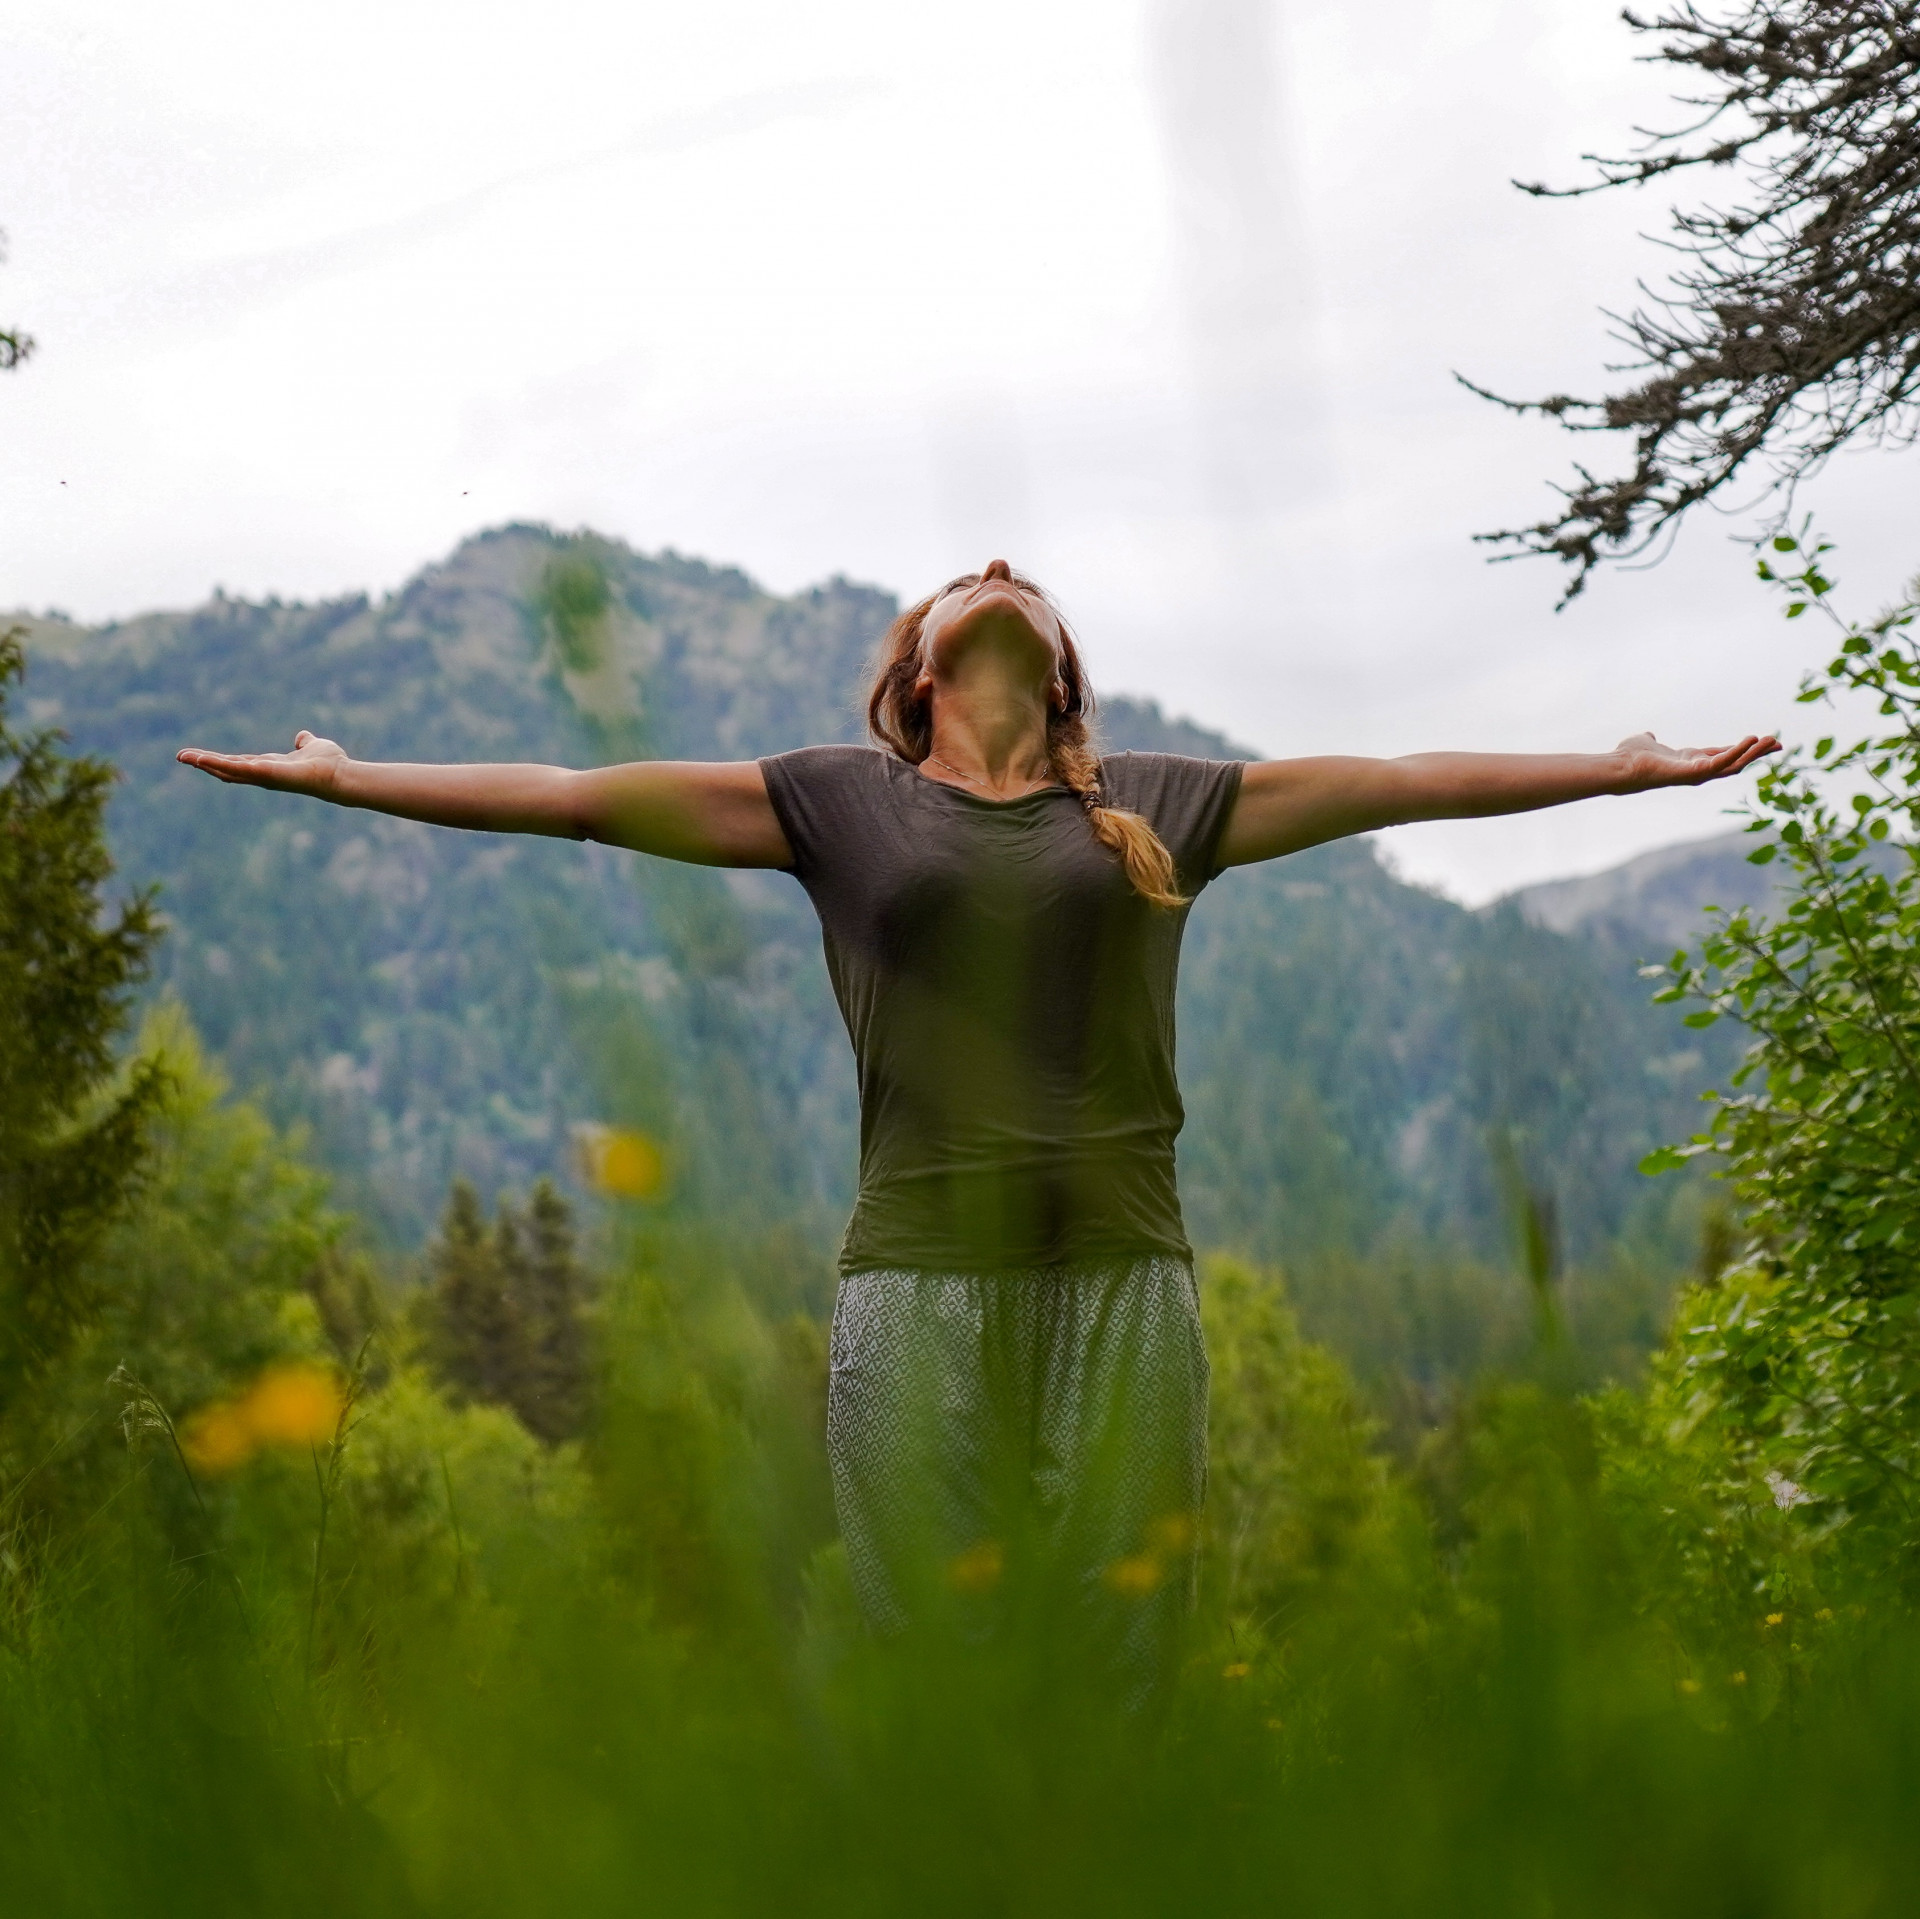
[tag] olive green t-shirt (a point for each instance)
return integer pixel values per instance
(1010, 1001)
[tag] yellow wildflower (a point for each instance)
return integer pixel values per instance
(978, 1569)
(1238, 1670)
(216, 1440)
(1134, 1578)
(619, 1162)
(1171, 1534)
(292, 1403)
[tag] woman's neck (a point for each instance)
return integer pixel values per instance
(995, 738)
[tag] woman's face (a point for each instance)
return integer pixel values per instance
(997, 616)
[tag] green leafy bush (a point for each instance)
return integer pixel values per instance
(1801, 1360)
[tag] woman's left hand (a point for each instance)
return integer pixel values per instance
(1648, 764)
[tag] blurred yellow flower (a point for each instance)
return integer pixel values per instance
(1776, 1619)
(291, 1403)
(620, 1163)
(1134, 1578)
(1825, 1612)
(1171, 1534)
(1238, 1670)
(1736, 1679)
(978, 1569)
(294, 1405)
(1689, 1686)
(216, 1440)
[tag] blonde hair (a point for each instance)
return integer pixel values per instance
(902, 720)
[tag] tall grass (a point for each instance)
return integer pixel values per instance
(627, 1675)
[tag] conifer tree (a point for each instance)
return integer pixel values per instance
(478, 1341)
(507, 1309)
(552, 1291)
(73, 1137)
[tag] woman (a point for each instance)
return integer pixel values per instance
(1018, 1380)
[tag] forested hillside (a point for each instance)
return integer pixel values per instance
(432, 1003)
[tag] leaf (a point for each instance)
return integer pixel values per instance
(1707, 1018)
(1785, 543)
(1795, 608)
(1762, 854)
(1878, 830)
(1665, 1159)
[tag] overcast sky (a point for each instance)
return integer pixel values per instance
(1160, 298)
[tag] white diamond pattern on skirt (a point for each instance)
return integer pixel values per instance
(987, 1429)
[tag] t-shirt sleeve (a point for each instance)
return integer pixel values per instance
(817, 795)
(1186, 801)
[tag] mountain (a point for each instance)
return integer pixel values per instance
(1654, 902)
(429, 1003)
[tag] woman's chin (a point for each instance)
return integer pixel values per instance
(1002, 626)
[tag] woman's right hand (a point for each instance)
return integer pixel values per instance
(312, 766)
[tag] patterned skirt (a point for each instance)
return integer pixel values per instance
(1029, 1442)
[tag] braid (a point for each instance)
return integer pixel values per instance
(1149, 865)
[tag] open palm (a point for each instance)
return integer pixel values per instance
(309, 768)
(1650, 764)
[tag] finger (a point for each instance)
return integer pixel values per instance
(211, 764)
(1698, 764)
(246, 769)
(1727, 760)
(302, 738)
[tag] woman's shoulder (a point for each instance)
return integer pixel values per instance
(846, 763)
(1185, 799)
(822, 788)
(1130, 773)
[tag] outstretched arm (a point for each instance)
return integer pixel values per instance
(712, 814)
(1285, 805)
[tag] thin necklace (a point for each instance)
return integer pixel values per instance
(1033, 786)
